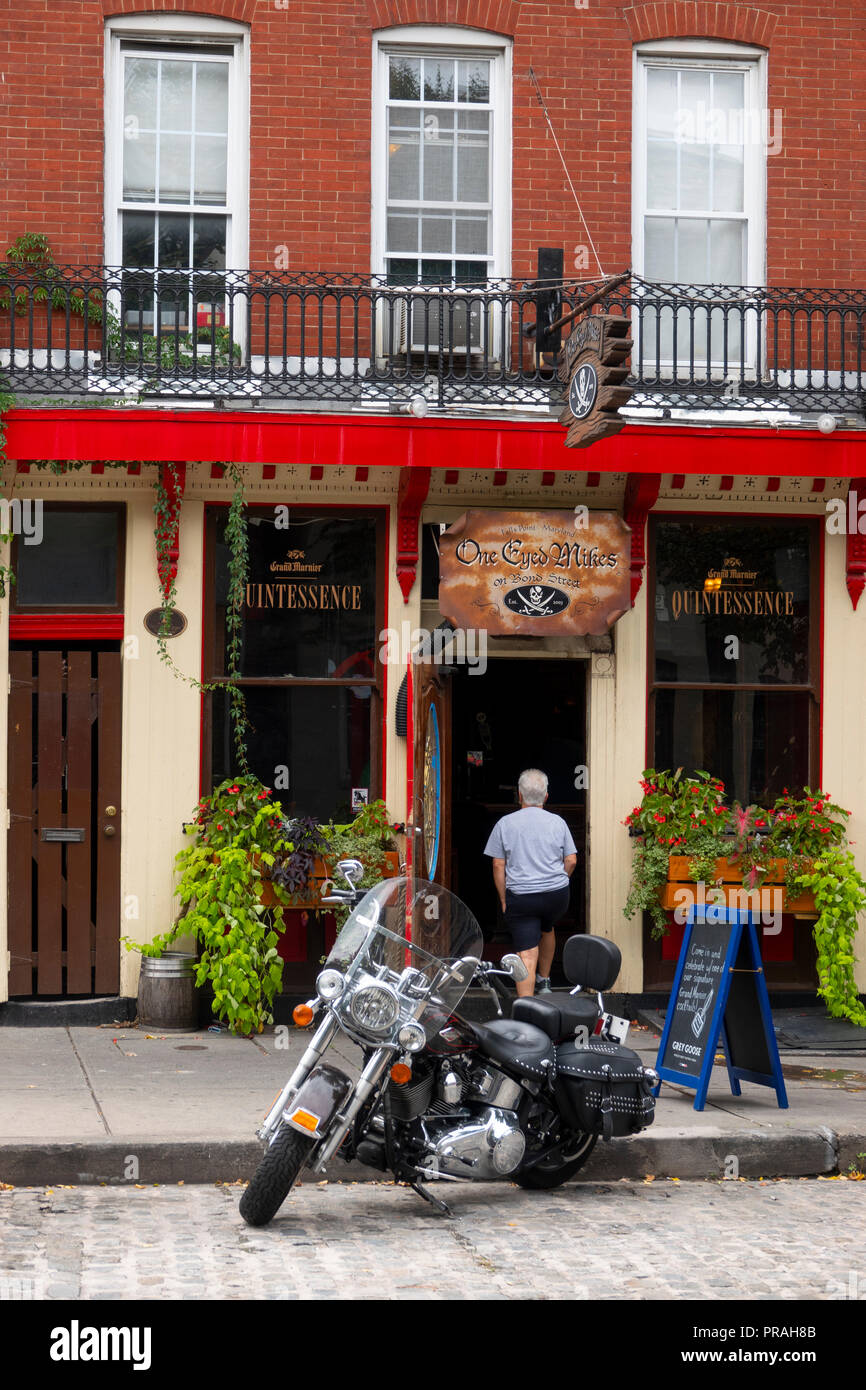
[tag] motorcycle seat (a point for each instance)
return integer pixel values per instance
(521, 1046)
(557, 1015)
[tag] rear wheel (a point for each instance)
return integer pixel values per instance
(559, 1167)
(275, 1176)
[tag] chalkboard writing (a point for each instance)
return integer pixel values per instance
(695, 1002)
(719, 997)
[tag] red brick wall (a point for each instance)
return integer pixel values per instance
(311, 75)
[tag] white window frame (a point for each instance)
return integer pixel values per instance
(160, 34)
(711, 55)
(446, 40)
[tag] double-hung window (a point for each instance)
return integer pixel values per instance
(700, 146)
(441, 171)
(176, 132)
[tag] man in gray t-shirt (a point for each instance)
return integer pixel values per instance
(533, 858)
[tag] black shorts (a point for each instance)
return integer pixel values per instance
(527, 915)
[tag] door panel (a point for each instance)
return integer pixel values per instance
(432, 773)
(64, 775)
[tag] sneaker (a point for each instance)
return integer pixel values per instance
(542, 984)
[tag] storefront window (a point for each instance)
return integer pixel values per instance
(734, 651)
(309, 654)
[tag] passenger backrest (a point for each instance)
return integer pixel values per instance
(591, 961)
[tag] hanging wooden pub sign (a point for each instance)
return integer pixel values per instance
(593, 365)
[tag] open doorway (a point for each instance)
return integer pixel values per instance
(520, 713)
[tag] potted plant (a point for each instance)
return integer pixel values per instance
(370, 838)
(237, 835)
(687, 834)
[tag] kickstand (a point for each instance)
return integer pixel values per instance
(434, 1201)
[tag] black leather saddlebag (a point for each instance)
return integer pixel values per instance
(602, 1088)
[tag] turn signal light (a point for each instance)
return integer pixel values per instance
(303, 1117)
(303, 1015)
(400, 1073)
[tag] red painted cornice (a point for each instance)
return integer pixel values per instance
(223, 436)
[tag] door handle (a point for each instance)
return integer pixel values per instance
(109, 830)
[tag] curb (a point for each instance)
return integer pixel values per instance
(667, 1154)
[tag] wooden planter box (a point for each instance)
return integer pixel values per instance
(311, 899)
(732, 886)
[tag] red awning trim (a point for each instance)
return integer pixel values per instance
(323, 441)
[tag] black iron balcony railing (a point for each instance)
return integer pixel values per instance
(360, 342)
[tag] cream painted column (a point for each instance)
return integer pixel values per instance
(161, 730)
(843, 764)
(617, 743)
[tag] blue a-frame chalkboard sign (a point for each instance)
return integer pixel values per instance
(720, 995)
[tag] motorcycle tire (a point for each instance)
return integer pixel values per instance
(275, 1176)
(554, 1171)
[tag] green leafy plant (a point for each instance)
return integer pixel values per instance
(238, 835)
(649, 871)
(368, 837)
(840, 895)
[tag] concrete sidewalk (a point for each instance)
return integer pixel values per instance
(121, 1105)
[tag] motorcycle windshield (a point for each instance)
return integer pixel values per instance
(411, 935)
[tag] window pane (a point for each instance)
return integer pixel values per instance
(404, 78)
(209, 243)
(402, 233)
(139, 166)
(436, 234)
(438, 79)
(694, 177)
(175, 99)
(404, 154)
(471, 235)
(661, 103)
(756, 741)
(439, 167)
(139, 231)
(659, 248)
(661, 191)
(174, 230)
(139, 94)
(728, 178)
(321, 735)
(174, 168)
(729, 96)
(473, 180)
(691, 265)
(714, 580)
(473, 80)
(727, 247)
(212, 97)
(210, 169)
(310, 605)
(75, 564)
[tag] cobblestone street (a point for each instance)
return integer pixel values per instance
(662, 1240)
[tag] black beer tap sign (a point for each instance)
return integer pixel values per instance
(720, 995)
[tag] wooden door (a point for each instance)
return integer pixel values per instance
(64, 757)
(432, 772)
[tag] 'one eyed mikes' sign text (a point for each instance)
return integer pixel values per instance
(535, 573)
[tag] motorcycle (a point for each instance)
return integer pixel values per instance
(440, 1097)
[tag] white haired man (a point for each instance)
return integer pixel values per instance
(533, 858)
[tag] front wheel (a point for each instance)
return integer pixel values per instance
(275, 1176)
(559, 1167)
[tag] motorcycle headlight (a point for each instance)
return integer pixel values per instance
(375, 1007)
(330, 984)
(412, 1037)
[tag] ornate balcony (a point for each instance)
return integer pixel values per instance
(352, 342)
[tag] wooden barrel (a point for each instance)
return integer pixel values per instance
(166, 993)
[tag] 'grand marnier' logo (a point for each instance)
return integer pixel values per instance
(536, 600)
